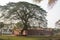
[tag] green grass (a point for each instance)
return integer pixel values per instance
(28, 37)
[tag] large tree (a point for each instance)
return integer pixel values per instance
(25, 12)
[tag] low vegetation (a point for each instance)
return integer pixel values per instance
(29, 38)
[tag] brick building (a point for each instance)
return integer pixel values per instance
(38, 32)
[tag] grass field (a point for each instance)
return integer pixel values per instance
(4, 37)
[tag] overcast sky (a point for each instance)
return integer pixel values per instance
(53, 14)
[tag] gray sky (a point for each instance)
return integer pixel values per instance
(53, 14)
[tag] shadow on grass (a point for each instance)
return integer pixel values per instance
(4, 39)
(1, 39)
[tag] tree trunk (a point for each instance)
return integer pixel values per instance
(24, 30)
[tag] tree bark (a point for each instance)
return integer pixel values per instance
(25, 28)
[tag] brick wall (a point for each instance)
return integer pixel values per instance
(34, 32)
(39, 32)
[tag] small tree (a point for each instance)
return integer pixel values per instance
(57, 24)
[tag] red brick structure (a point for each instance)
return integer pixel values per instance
(37, 32)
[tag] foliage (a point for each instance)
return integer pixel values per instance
(1, 24)
(24, 11)
(19, 25)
